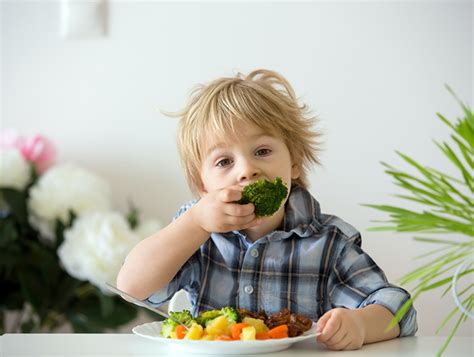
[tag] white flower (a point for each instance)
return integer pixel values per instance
(64, 188)
(14, 170)
(95, 247)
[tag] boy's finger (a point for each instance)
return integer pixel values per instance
(337, 337)
(238, 222)
(323, 320)
(331, 328)
(328, 327)
(255, 222)
(239, 210)
(230, 194)
(341, 345)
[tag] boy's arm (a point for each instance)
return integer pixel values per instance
(346, 329)
(356, 282)
(375, 319)
(153, 262)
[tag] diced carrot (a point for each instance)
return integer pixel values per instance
(262, 336)
(280, 331)
(180, 332)
(223, 338)
(236, 330)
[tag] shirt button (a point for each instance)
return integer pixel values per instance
(254, 253)
(248, 289)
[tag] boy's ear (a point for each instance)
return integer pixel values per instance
(295, 171)
(202, 190)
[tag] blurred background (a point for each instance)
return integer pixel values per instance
(94, 79)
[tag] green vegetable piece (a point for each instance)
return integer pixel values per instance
(207, 316)
(184, 317)
(265, 195)
(231, 314)
(168, 327)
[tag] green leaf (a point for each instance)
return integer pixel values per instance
(106, 304)
(133, 216)
(400, 313)
(31, 287)
(28, 326)
(451, 155)
(438, 241)
(8, 232)
(431, 269)
(86, 314)
(61, 227)
(465, 151)
(16, 201)
(64, 294)
(11, 297)
(445, 281)
(450, 337)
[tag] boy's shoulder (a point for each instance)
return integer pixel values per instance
(348, 231)
(304, 208)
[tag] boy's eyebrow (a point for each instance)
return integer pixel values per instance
(223, 144)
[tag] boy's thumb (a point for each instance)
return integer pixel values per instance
(322, 321)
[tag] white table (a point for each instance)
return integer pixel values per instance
(131, 345)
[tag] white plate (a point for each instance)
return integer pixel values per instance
(152, 331)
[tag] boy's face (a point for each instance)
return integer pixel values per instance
(240, 161)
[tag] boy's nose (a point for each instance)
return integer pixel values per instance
(248, 172)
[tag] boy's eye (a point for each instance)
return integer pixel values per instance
(262, 152)
(223, 162)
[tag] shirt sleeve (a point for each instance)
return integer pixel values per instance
(187, 278)
(356, 281)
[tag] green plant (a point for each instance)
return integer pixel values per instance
(447, 209)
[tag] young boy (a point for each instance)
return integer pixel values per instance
(233, 132)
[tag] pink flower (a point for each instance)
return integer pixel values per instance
(38, 149)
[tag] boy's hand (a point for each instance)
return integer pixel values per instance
(218, 212)
(341, 329)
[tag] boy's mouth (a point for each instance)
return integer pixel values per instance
(246, 183)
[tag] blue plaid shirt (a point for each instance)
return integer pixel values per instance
(311, 264)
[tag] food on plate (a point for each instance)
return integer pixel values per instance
(297, 324)
(230, 324)
(169, 326)
(267, 196)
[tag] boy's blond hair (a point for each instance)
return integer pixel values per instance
(263, 98)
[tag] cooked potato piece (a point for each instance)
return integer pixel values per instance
(208, 338)
(257, 323)
(218, 326)
(248, 333)
(194, 333)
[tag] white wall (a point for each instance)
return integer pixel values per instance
(374, 72)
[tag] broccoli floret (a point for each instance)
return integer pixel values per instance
(265, 195)
(168, 327)
(231, 314)
(184, 318)
(207, 316)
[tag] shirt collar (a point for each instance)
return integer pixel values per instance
(302, 215)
